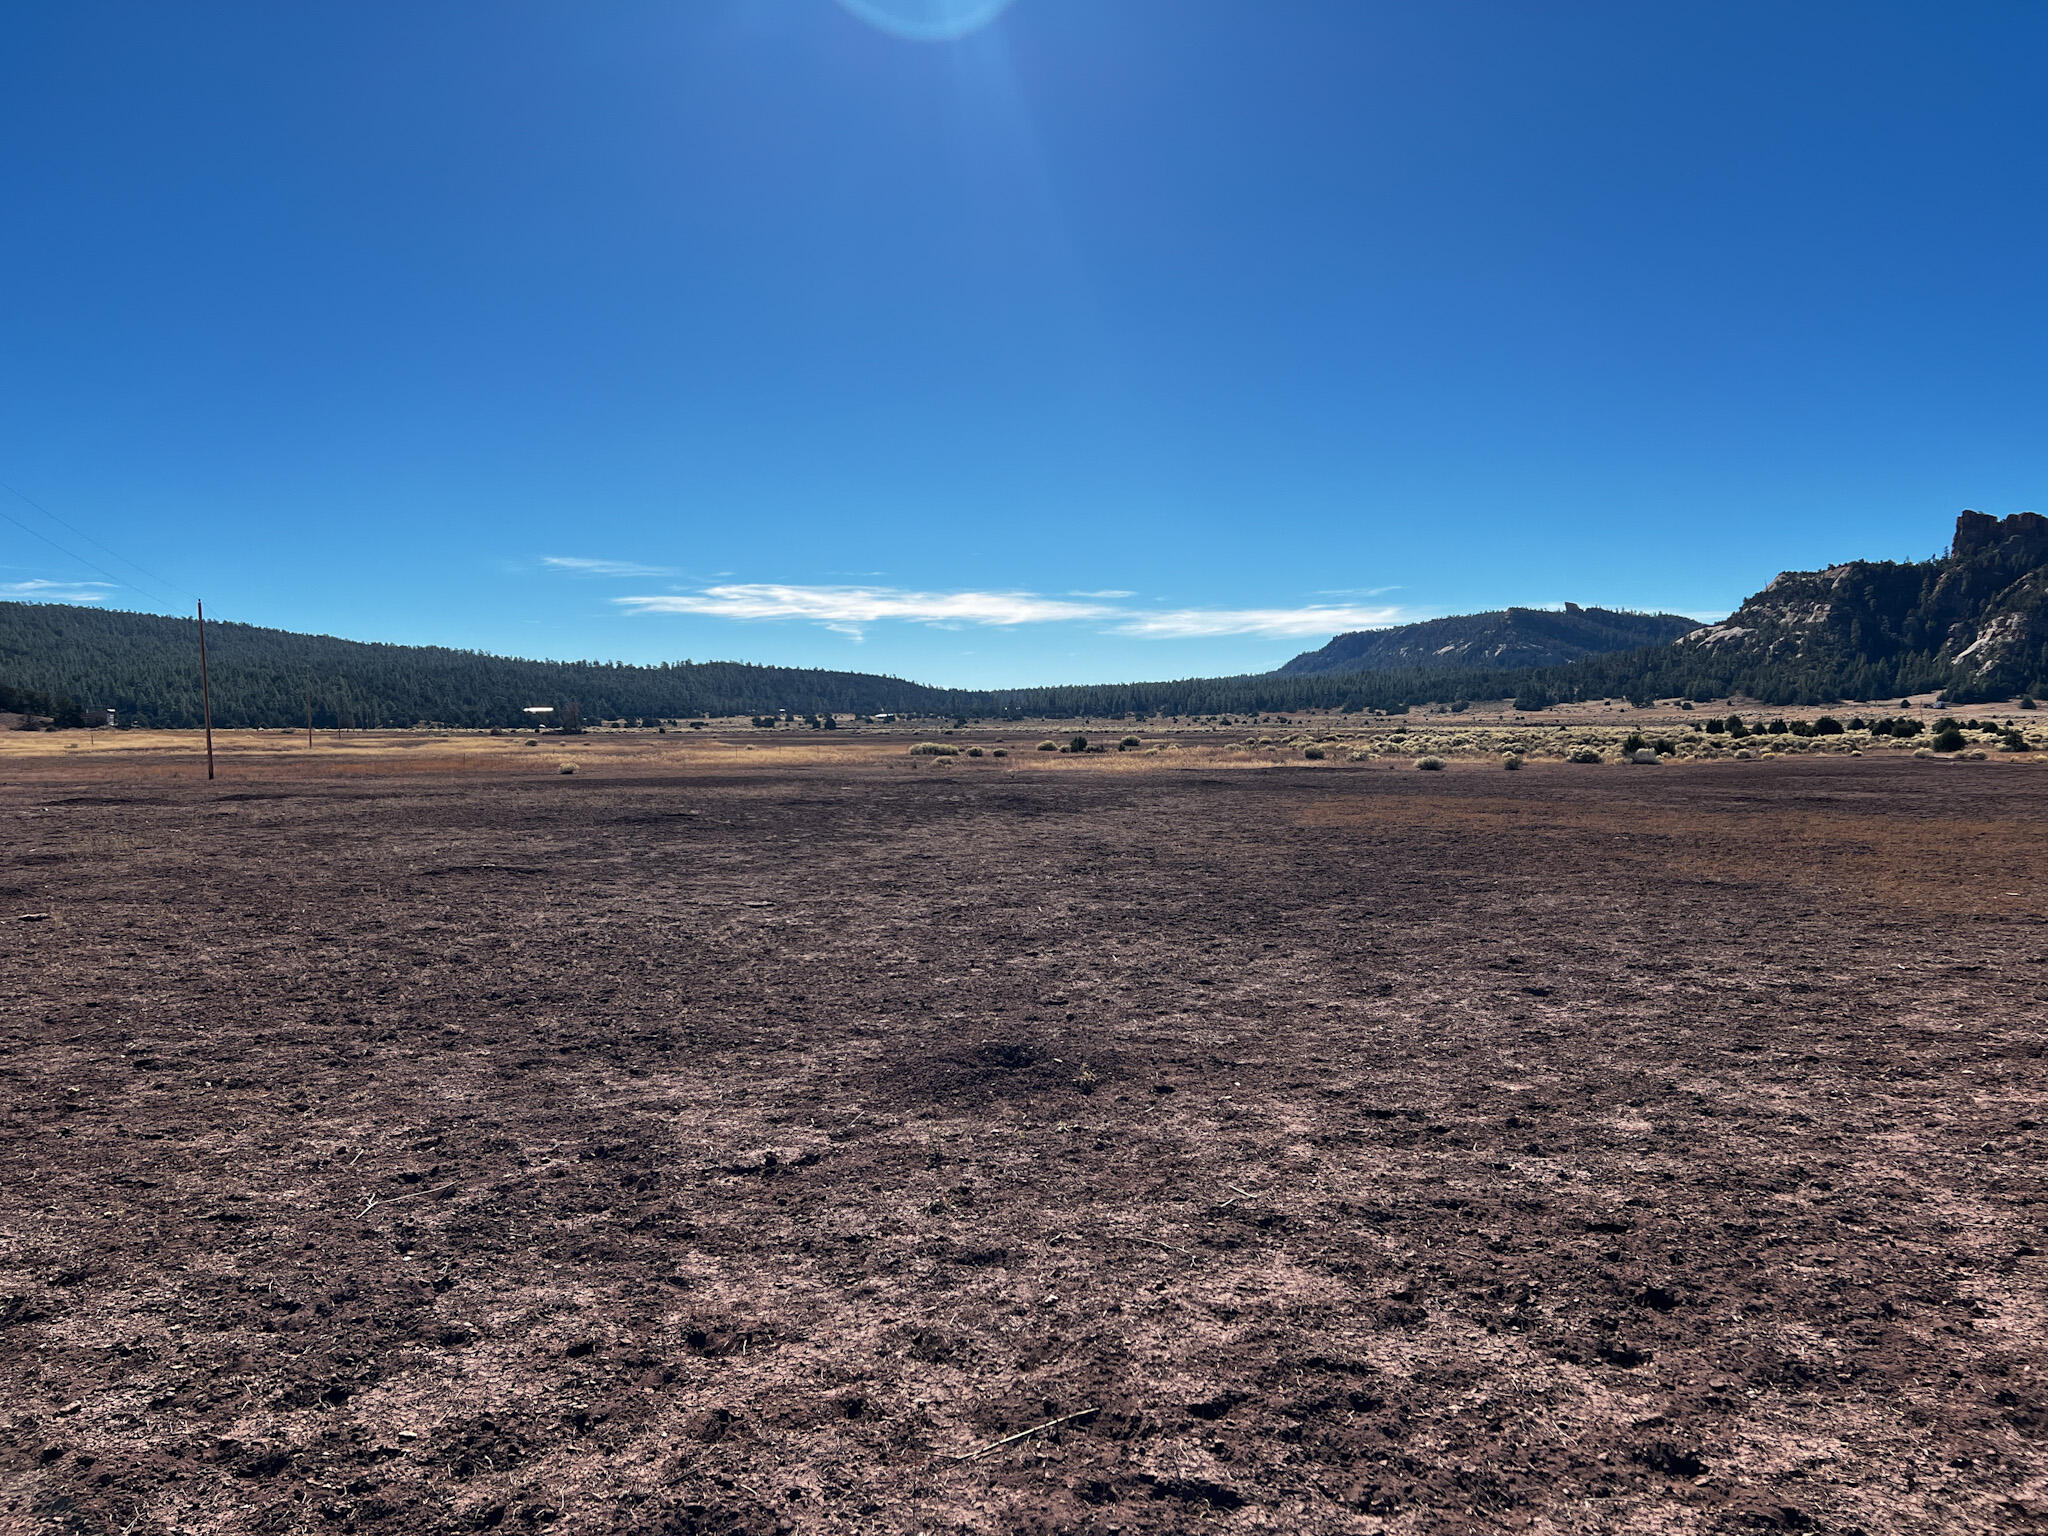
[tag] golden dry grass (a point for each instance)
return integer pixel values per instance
(271, 754)
(1392, 744)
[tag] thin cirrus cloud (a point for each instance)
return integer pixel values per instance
(40, 589)
(576, 565)
(848, 609)
(1296, 623)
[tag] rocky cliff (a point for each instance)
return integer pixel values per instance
(1975, 620)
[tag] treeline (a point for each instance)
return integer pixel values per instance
(1252, 693)
(60, 709)
(75, 663)
(1654, 672)
(146, 668)
(1696, 672)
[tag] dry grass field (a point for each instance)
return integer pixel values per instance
(768, 1132)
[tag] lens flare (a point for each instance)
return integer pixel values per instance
(928, 21)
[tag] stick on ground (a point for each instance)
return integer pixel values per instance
(1024, 1434)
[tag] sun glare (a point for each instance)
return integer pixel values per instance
(929, 21)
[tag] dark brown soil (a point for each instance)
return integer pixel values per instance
(1346, 1149)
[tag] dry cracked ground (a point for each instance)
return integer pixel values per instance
(887, 1146)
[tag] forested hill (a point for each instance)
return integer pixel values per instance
(1510, 637)
(146, 667)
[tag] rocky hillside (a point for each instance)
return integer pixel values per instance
(1974, 621)
(1512, 637)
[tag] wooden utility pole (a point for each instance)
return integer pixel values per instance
(205, 691)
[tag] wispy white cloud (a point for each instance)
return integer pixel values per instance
(38, 589)
(838, 606)
(848, 610)
(1310, 620)
(578, 565)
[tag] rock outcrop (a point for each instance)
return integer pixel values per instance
(1974, 620)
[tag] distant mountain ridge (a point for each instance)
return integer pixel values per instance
(1505, 638)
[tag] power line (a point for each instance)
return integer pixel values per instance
(157, 581)
(66, 553)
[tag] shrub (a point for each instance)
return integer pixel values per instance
(1664, 746)
(1950, 740)
(1127, 743)
(1716, 726)
(1360, 755)
(1777, 727)
(973, 752)
(1511, 762)
(2015, 742)
(568, 768)
(1429, 764)
(1078, 744)
(1827, 725)
(2027, 701)
(1314, 754)
(1000, 752)
(934, 749)
(1585, 755)
(1633, 743)
(1048, 746)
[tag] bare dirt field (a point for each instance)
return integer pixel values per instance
(740, 1142)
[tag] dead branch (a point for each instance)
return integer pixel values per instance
(1025, 1434)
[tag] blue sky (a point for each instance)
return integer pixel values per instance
(1104, 339)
